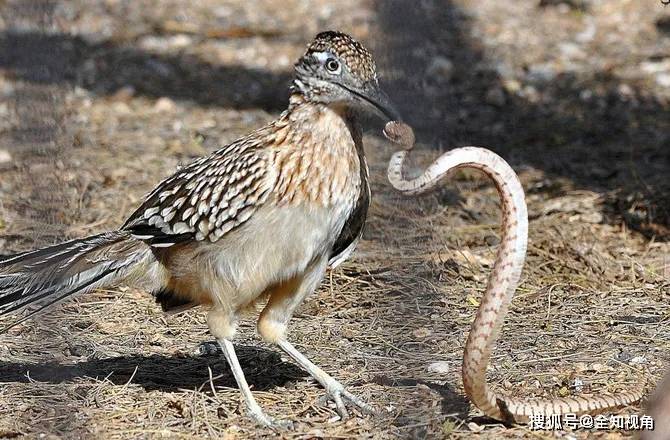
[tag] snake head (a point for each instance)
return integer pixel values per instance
(400, 133)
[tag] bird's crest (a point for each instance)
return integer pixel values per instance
(350, 51)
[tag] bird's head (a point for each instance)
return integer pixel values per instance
(337, 70)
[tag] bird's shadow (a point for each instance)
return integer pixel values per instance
(264, 370)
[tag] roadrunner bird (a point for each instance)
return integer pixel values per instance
(262, 217)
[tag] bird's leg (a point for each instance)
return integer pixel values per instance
(334, 388)
(223, 326)
(284, 299)
(253, 407)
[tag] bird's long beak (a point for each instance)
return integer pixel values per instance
(381, 102)
(374, 97)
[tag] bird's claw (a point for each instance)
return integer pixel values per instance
(339, 395)
(264, 420)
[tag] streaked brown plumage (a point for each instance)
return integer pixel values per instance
(262, 217)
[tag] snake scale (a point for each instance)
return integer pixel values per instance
(502, 281)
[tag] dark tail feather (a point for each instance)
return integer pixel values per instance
(38, 279)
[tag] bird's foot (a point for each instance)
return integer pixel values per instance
(335, 389)
(263, 419)
(340, 395)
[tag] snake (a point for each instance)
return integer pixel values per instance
(501, 285)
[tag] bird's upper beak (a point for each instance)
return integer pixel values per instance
(380, 102)
(373, 97)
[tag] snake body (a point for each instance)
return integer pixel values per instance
(502, 281)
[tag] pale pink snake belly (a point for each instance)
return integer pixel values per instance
(501, 284)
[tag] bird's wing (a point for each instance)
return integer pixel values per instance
(207, 198)
(353, 227)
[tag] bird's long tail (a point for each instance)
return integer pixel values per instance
(35, 280)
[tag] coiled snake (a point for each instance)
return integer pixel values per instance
(501, 284)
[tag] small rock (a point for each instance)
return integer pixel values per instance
(121, 108)
(441, 367)
(585, 95)
(653, 67)
(512, 86)
(625, 91)
(440, 67)
(663, 79)
(5, 157)
(180, 41)
(165, 104)
(638, 360)
(571, 51)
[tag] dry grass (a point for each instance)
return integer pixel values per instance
(592, 304)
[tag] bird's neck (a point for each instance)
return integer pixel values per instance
(321, 144)
(325, 119)
(300, 104)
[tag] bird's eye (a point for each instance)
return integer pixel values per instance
(332, 65)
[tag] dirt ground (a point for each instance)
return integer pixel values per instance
(100, 99)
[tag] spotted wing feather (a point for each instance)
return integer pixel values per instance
(206, 199)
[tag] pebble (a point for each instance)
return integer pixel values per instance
(5, 157)
(638, 360)
(625, 91)
(441, 367)
(586, 95)
(571, 51)
(663, 79)
(653, 67)
(512, 86)
(165, 104)
(121, 108)
(180, 41)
